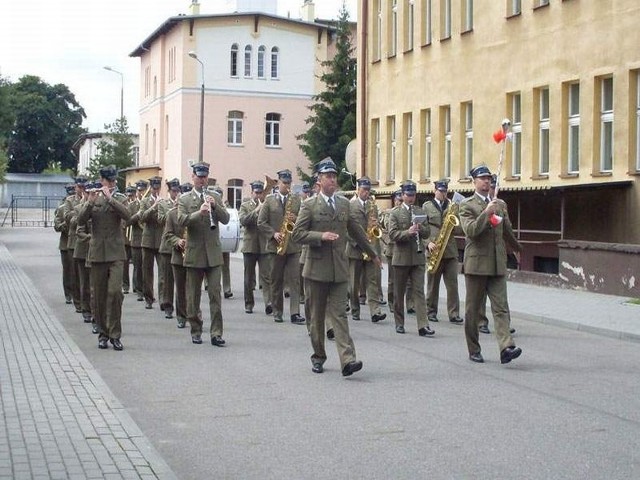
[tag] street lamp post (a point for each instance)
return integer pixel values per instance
(121, 90)
(194, 55)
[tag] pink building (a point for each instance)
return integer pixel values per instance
(260, 72)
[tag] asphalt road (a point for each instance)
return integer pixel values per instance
(569, 408)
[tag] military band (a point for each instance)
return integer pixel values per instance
(341, 240)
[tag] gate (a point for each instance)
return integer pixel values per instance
(31, 211)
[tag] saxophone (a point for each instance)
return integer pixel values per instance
(373, 229)
(449, 222)
(286, 229)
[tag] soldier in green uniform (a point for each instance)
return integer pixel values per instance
(70, 219)
(136, 238)
(151, 236)
(130, 191)
(201, 211)
(254, 248)
(409, 260)
(437, 210)
(59, 225)
(166, 250)
(485, 265)
(80, 252)
(107, 212)
(279, 208)
(174, 236)
(365, 212)
(324, 222)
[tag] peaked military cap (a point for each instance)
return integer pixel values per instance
(173, 184)
(131, 189)
(480, 171)
(109, 172)
(285, 175)
(81, 180)
(364, 182)
(70, 188)
(186, 187)
(257, 186)
(441, 185)
(155, 181)
(142, 184)
(408, 187)
(305, 187)
(397, 194)
(326, 165)
(200, 169)
(494, 180)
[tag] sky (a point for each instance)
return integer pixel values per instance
(71, 41)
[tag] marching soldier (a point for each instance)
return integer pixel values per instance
(254, 248)
(107, 211)
(323, 225)
(226, 258)
(166, 250)
(485, 265)
(59, 225)
(80, 253)
(174, 236)
(437, 209)
(280, 211)
(151, 236)
(70, 219)
(130, 191)
(408, 261)
(201, 211)
(136, 238)
(365, 212)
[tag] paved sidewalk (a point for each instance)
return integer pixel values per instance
(59, 419)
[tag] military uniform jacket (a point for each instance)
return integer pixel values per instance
(83, 239)
(328, 261)
(203, 244)
(485, 251)
(151, 228)
(172, 234)
(164, 207)
(107, 237)
(59, 225)
(405, 249)
(359, 214)
(436, 217)
(271, 217)
(253, 241)
(70, 217)
(387, 249)
(134, 223)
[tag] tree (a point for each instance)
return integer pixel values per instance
(46, 122)
(333, 119)
(113, 149)
(6, 119)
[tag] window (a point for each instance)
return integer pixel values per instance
(234, 60)
(573, 135)
(445, 19)
(540, 3)
(172, 64)
(408, 24)
(543, 131)
(514, 7)
(234, 127)
(393, 29)
(427, 31)
(426, 125)
(446, 129)
(272, 130)
(375, 128)
(606, 124)
(153, 146)
(408, 128)
(234, 192)
(467, 109)
(516, 138)
(377, 30)
(135, 156)
(261, 53)
(155, 87)
(275, 54)
(467, 15)
(391, 148)
(247, 60)
(637, 121)
(146, 139)
(147, 81)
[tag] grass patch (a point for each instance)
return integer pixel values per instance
(634, 301)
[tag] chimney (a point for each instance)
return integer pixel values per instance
(308, 11)
(194, 8)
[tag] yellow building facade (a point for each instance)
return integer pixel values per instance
(437, 77)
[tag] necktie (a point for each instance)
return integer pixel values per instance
(486, 199)
(330, 201)
(283, 198)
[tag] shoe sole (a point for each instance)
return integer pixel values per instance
(511, 357)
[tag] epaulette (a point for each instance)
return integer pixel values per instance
(119, 195)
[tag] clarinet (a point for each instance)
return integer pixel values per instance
(418, 242)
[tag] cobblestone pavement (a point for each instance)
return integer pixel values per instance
(60, 419)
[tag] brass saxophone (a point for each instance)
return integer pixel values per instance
(286, 229)
(373, 229)
(449, 222)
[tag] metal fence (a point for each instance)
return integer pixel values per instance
(31, 211)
